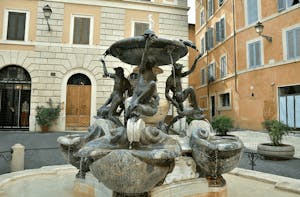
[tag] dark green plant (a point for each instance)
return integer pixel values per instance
(276, 130)
(222, 124)
(45, 116)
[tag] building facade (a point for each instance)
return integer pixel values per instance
(61, 60)
(243, 74)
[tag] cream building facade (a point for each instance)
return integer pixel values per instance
(63, 64)
(245, 75)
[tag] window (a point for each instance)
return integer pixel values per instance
(17, 25)
(211, 72)
(139, 28)
(221, 2)
(203, 76)
(202, 17)
(220, 30)
(254, 54)
(283, 4)
(293, 43)
(223, 65)
(224, 100)
(202, 45)
(210, 8)
(252, 11)
(209, 39)
(82, 30)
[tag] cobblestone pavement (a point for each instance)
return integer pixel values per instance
(42, 150)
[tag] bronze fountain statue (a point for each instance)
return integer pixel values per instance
(132, 157)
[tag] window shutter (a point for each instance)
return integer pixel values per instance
(85, 39)
(297, 42)
(251, 55)
(252, 11)
(290, 44)
(76, 31)
(212, 7)
(206, 40)
(281, 5)
(222, 30)
(211, 38)
(202, 45)
(217, 32)
(258, 53)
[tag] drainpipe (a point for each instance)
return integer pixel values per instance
(234, 45)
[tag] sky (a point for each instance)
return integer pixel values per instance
(191, 12)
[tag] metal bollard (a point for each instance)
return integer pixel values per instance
(17, 158)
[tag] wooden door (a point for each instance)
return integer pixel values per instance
(78, 106)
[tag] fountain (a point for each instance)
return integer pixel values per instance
(139, 156)
(134, 157)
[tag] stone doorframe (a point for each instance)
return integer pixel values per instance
(63, 97)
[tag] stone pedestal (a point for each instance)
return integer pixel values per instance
(17, 161)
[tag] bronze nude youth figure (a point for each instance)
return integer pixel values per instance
(173, 84)
(117, 97)
(145, 98)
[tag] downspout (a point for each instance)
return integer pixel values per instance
(234, 45)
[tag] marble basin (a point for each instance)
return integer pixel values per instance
(216, 155)
(132, 171)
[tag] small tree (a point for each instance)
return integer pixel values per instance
(276, 130)
(45, 116)
(222, 124)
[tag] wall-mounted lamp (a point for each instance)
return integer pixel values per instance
(259, 28)
(47, 13)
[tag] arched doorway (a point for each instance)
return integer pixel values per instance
(78, 104)
(15, 90)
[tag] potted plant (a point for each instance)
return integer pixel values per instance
(45, 116)
(276, 149)
(222, 124)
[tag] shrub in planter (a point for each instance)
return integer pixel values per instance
(45, 116)
(276, 149)
(222, 124)
(276, 130)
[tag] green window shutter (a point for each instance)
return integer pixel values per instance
(211, 38)
(222, 30)
(217, 27)
(206, 40)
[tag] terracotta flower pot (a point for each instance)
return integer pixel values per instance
(44, 128)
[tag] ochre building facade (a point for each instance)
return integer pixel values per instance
(244, 75)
